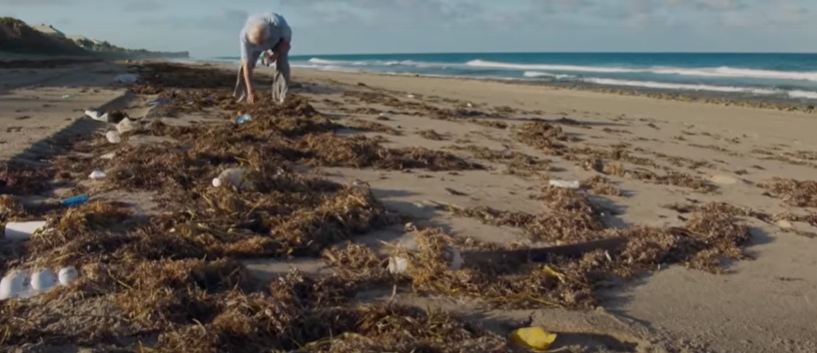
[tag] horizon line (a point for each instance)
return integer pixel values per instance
(556, 52)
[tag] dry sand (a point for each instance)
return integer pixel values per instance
(763, 305)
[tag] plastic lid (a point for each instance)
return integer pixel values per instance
(216, 182)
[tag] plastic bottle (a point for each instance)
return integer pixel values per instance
(13, 285)
(243, 119)
(43, 280)
(67, 275)
(76, 200)
(230, 177)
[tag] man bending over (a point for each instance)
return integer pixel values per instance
(268, 34)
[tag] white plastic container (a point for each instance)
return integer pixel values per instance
(22, 230)
(13, 285)
(233, 177)
(43, 280)
(566, 184)
(67, 275)
(113, 137)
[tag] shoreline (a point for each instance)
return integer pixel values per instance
(707, 97)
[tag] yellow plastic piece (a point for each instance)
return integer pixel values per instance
(533, 337)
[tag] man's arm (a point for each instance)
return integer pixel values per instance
(247, 64)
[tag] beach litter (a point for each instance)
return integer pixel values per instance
(533, 338)
(93, 114)
(97, 174)
(22, 230)
(243, 119)
(67, 275)
(113, 136)
(25, 284)
(397, 265)
(75, 200)
(13, 285)
(67, 96)
(125, 125)
(567, 184)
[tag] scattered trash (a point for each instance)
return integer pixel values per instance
(67, 275)
(97, 174)
(22, 230)
(555, 274)
(13, 285)
(113, 137)
(469, 105)
(232, 177)
(567, 184)
(243, 119)
(126, 78)
(67, 96)
(398, 265)
(109, 155)
(125, 125)
(533, 337)
(93, 114)
(43, 280)
(75, 200)
(410, 96)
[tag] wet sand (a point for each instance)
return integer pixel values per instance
(725, 154)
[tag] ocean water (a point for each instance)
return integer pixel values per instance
(787, 77)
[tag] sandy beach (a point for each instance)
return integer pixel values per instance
(716, 204)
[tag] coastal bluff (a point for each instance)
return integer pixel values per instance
(19, 37)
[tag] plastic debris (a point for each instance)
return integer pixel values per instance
(533, 337)
(279, 87)
(553, 273)
(567, 184)
(234, 177)
(410, 96)
(398, 265)
(43, 280)
(126, 78)
(113, 136)
(22, 230)
(67, 275)
(125, 125)
(13, 285)
(93, 114)
(97, 174)
(243, 119)
(76, 200)
(67, 96)
(109, 155)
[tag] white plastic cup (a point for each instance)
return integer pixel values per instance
(22, 230)
(67, 275)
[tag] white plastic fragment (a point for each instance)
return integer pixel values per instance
(567, 184)
(398, 265)
(93, 114)
(43, 280)
(113, 137)
(22, 230)
(410, 96)
(13, 285)
(67, 275)
(97, 174)
(109, 155)
(125, 125)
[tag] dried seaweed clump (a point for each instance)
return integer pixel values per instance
(601, 186)
(518, 163)
(432, 135)
(798, 193)
(542, 135)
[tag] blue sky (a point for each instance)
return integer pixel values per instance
(210, 27)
